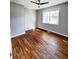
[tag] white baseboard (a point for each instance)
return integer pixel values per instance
(55, 32)
(60, 33)
(17, 35)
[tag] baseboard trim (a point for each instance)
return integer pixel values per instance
(52, 32)
(17, 35)
(43, 30)
(60, 33)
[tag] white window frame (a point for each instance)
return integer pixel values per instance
(51, 17)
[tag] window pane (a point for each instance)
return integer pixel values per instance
(51, 17)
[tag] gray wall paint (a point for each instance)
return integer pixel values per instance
(21, 19)
(16, 19)
(30, 18)
(63, 19)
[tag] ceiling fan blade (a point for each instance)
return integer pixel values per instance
(34, 2)
(44, 3)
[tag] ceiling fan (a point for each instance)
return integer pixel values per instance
(39, 3)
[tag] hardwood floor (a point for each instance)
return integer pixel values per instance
(38, 44)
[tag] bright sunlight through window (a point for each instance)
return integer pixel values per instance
(51, 17)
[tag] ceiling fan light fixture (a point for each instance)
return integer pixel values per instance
(38, 6)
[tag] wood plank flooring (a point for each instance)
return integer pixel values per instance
(38, 44)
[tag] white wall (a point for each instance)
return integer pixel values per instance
(21, 19)
(30, 18)
(16, 19)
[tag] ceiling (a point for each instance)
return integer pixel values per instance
(30, 5)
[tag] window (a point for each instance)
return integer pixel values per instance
(51, 17)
